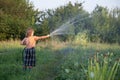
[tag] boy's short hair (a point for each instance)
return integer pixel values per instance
(29, 32)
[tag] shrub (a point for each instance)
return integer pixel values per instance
(81, 38)
(100, 68)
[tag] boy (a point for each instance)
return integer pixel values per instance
(29, 52)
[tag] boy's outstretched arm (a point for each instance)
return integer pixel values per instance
(42, 37)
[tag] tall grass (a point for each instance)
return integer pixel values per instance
(100, 68)
(58, 60)
(84, 63)
(11, 62)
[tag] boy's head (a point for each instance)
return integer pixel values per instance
(29, 32)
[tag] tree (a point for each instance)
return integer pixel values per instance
(106, 24)
(59, 16)
(15, 16)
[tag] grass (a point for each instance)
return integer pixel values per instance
(99, 67)
(56, 61)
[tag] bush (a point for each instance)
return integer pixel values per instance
(100, 68)
(81, 38)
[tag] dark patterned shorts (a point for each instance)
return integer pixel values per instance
(29, 57)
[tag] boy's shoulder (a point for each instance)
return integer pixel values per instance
(34, 36)
(31, 37)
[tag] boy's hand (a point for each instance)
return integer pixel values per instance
(48, 35)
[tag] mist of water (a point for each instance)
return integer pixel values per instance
(66, 28)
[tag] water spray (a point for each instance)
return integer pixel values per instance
(63, 29)
(68, 27)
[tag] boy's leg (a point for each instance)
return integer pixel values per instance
(30, 67)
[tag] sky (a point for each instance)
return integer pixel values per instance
(88, 5)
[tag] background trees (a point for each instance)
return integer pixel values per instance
(102, 25)
(15, 17)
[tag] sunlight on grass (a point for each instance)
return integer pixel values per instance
(58, 60)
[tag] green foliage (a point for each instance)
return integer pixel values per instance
(82, 64)
(11, 65)
(81, 38)
(52, 19)
(58, 63)
(99, 67)
(15, 17)
(104, 23)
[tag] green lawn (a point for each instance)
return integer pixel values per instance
(55, 60)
